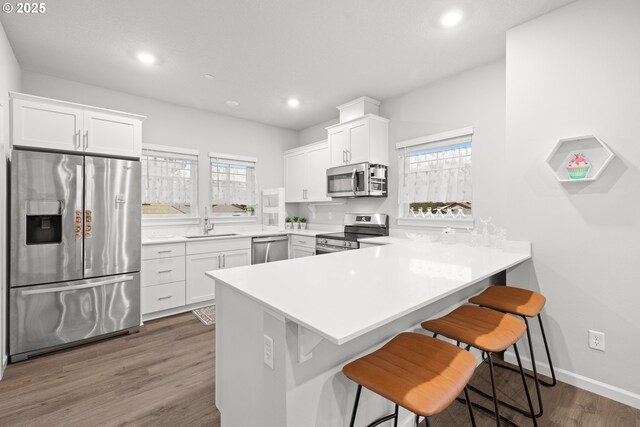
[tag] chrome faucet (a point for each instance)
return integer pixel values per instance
(208, 225)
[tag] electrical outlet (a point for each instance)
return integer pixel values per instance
(596, 340)
(268, 351)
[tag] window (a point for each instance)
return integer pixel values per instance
(233, 185)
(169, 182)
(435, 181)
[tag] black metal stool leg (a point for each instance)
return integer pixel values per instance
(469, 408)
(355, 406)
(417, 420)
(493, 388)
(526, 389)
(535, 368)
(546, 347)
(395, 417)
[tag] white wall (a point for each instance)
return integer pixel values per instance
(473, 98)
(317, 132)
(573, 72)
(9, 81)
(169, 124)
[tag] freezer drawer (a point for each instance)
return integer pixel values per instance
(46, 316)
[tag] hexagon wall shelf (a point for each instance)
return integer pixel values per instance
(593, 149)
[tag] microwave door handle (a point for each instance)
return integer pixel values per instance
(353, 181)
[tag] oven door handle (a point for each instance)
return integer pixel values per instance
(327, 249)
(353, 181)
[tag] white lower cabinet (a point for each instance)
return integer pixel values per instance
(199, 286)
(301, 246)
(173, 275)
(162, 297)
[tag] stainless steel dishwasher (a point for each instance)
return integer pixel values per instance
(269, 249)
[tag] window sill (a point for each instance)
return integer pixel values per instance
(233, 219)
(463, 223)
(167, 220)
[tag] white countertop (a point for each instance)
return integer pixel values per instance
(344, 295)
(224, 235)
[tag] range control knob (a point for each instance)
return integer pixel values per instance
(345, 243)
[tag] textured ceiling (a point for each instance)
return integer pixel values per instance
(324, 52)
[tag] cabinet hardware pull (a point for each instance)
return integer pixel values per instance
(86, 140)
(165, 252)
(164, 271)
(224, 261)
(167, 297)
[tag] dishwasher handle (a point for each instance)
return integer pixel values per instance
(270, 239)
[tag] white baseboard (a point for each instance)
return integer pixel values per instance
(176, 310)
(607, 390)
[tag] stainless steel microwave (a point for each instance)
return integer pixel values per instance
(359, 180)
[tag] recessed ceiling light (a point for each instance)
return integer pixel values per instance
(293, 103)
(451, 18)
(208, 76)
(146, 58)
(232, 103)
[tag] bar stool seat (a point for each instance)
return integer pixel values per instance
(484, 329)
(526, 304)
(491, 332)
(418, 372)
(521, 302)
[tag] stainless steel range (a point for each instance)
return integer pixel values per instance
(74, 249)
(356, 227)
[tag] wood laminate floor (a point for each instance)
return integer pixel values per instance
(164, 376)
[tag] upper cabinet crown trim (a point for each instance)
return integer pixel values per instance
(306, 147)
(359, 100)
(366, 116)
(27, 97)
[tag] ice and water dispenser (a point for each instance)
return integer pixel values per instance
(44, 221)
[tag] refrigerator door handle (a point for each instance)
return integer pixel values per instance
(76, 287)
(79, 217)
(88, 211)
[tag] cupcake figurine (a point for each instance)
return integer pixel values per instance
(578, 167)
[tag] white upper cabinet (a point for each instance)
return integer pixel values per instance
(338, 146)
(365, 139)
(317, 165)
(57, 125)
(295, 164)
(112, 134)
(305, 170)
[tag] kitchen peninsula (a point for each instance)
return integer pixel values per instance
(284, 330)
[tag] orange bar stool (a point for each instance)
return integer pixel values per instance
(491, 332)
(526, 304)
(419, 373)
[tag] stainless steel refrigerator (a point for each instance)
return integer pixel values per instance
(74, 254)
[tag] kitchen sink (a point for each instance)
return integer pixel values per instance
(202, 236)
